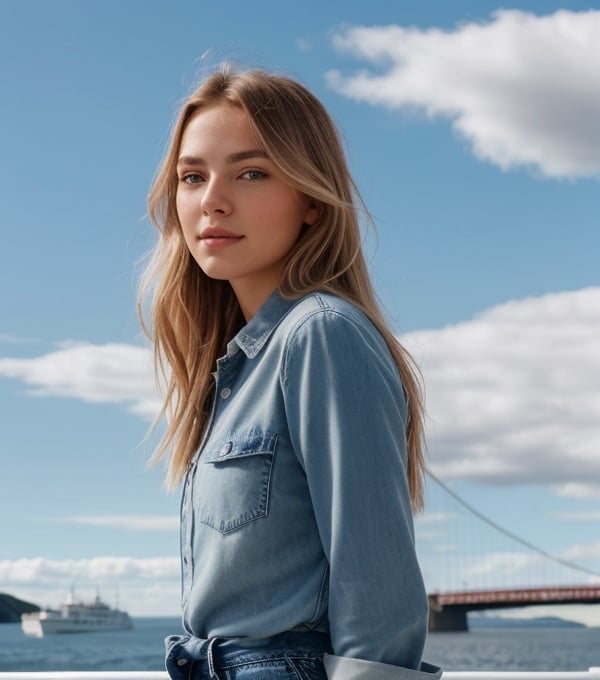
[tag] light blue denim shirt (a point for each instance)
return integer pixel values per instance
(295, 510)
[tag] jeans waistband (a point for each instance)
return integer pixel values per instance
(183, 650)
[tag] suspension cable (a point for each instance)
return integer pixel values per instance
(506, 532)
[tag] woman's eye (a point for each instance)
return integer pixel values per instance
(191, 178)
(253, 175)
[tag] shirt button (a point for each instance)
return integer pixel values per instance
(225, 449)
(225, 392)
(181, 662)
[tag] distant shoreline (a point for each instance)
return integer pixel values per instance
(11, 608)
(483, 621)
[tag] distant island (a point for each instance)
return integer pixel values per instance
(483, 621)
(11, 608)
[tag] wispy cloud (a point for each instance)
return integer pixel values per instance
(522, 89)
(503, 566)
(512, 395)
(434, 517)
(584, 551)
(44, 570)
(146, 586)
(127, 522)
(579, 490)
(431, 527)
(8, 339)
(113, 372)
(579, 516)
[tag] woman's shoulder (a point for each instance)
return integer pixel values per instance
(331, 317)
(330, 333)
(323, 307)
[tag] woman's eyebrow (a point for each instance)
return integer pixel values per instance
(196, 161)
(244, 155)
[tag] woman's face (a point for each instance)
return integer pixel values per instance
(239, 217)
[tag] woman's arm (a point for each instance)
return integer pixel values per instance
(346, 412)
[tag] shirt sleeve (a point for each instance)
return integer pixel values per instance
(343, 668)
(346, 413)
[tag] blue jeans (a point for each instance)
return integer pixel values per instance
(288, 656)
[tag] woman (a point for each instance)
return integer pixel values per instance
(294, 416)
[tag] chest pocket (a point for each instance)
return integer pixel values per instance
(232, 480)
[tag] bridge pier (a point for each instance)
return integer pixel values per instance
(448, 619)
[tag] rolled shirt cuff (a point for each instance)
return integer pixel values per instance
(344, 668)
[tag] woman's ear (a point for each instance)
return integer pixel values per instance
(313, 213)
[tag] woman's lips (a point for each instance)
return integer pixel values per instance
(219, 238)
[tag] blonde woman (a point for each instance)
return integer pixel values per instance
(294, 418)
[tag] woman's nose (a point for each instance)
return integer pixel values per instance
(215, 198)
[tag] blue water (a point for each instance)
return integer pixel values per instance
(516, 649)
(142, 649)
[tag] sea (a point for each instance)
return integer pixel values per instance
(507, 649)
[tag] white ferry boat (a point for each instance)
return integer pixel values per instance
(75, 617)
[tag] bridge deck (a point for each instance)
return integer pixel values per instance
(478, 599)
(448, 611)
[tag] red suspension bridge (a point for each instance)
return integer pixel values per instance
(449, 607)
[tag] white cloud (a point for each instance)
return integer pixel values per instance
(583, 551)
(43, 570)
(113, 372)
(128, 522)
(505, 567)
(513, 396)
(146, 586)
(580, 516)
(524, 90)
(579, 491)
(431, 527)
(434, 517)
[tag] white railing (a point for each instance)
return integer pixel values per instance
(591, 674)
(84, 675)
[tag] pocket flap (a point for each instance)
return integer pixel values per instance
(240, 445)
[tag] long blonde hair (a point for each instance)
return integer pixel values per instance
(193, 316)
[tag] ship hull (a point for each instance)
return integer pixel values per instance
(42, 627)
(75, 618)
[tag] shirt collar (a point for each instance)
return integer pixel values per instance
(256, 332)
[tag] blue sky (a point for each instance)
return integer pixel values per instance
(472, 135)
